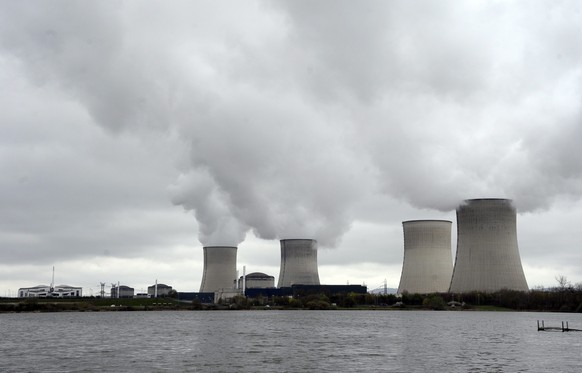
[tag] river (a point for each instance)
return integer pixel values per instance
(288, 341)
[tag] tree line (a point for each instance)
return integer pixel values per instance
(563, 298)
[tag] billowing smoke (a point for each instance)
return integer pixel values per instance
(278, 167)
(449, 103)
(293, 112)
(217, 226)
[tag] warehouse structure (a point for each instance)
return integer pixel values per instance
(428, 261)
(219, 268)
(487, 257)
(298, 263)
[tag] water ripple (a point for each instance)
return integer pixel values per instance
(287, 341)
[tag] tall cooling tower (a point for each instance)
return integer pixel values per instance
(298, 263)
(487, 256)
(428, 261)
(219, 268)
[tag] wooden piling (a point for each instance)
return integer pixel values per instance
(564, 328)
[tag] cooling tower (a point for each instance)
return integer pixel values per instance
(428, 261)
(219, 268)
(298, 263)
(487, 256)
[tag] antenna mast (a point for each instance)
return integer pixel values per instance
(53, 280)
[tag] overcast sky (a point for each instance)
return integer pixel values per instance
(132, 133)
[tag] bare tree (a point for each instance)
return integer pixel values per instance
(563, 282)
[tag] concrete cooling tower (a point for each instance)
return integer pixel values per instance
(428, 261)
(487, 256)
(298, 263)
(219, 268)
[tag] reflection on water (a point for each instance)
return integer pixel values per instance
(287, 341)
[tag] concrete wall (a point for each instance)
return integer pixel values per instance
(487, 256)
(428, 261)
(298, 263)
(219, 268)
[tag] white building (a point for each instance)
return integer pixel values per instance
(45, 291)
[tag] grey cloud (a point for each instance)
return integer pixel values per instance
(445, 130)
(284, 119)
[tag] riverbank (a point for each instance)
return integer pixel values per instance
(11, 305)
(568, 300)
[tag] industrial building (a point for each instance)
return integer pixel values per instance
(201, 297)
(219, 268)
(298, 263)
(487, 257)
(303, 290)
(257, 280)
(47, 291)
(428, 261)
(159, 290)
(122, 291)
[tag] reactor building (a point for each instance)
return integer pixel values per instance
(298, 263)
(487, 258)
(428, 261)
(256, 280)
(219, 268)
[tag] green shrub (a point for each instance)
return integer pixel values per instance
(318, 305)
(434, 302)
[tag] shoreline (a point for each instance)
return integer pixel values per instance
(147, 305)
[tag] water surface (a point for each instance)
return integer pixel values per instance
(288, 341)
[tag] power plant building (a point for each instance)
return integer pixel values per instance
(428, 261)
(487, 258)
(159, 290)
(298, 263)
(122, 291)
(219, 268)
(257, 280)
(47, 291)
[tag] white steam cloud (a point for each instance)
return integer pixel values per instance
(292, 113)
